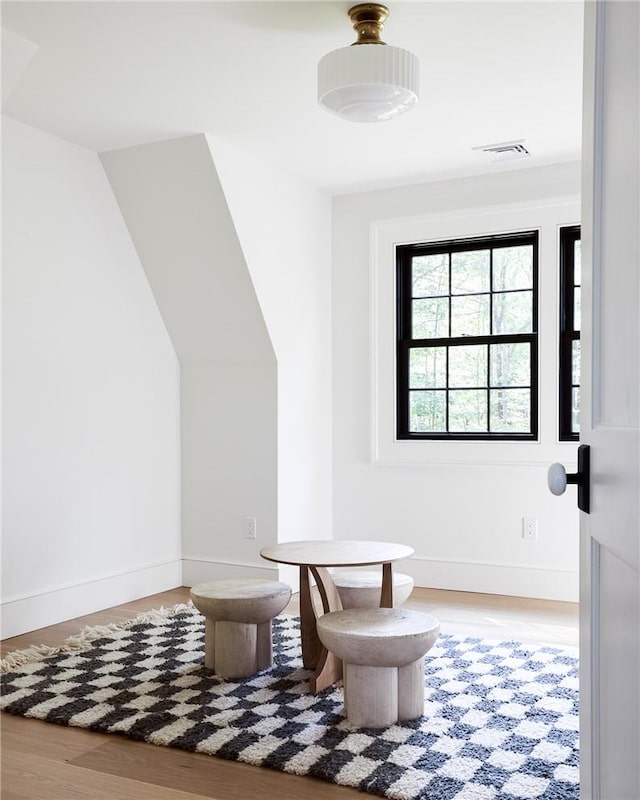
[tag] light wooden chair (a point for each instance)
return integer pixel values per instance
(382, 651)
(361, 588)
(238, 616)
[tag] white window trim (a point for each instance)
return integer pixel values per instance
(546, 217)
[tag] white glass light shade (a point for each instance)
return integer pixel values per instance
(368, 82)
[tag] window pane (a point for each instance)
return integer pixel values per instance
(470, 272)
(570, 300)
(430, 275)
(470, 315)
(468, 366)
(512, 268)
(467, 336)
(575, 409)
(575, 361)
(510, 410)
(428, 368)
(430, 318)
(510, 364)
(513, 312)
(427, 412)
(468, 411)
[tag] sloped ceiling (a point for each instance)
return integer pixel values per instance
(107, 75)
(174, 206)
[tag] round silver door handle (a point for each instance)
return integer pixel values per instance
(557, 479)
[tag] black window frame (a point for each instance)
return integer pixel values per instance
(569, 235)
(405, 343)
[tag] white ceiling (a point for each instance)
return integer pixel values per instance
(112, 74)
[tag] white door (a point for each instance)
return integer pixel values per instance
(610, 377)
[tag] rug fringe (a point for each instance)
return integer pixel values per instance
(81, 641)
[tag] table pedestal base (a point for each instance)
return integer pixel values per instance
(327, 668)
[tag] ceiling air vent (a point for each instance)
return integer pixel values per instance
(504, 151)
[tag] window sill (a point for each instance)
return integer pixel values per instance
(402, 452)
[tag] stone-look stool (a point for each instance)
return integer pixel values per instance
(362, 588)
(238, 616)
(382, 650)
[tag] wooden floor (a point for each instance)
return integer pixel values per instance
(40, 761)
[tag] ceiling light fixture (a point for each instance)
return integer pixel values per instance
(370, 81)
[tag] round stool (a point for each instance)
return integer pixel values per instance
(238, 614)
(382, 650)
(361, 588)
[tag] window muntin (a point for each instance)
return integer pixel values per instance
(570, 321)
(467, 338)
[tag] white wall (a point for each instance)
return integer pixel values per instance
(238, 256)
(177, 214)
(284, 228)
(91, 493)
(91, 414)
(459, 507)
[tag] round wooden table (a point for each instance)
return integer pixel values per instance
(314, 559)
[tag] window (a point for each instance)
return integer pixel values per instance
(467, 349)
(570, 278)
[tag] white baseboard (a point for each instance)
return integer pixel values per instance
(57, 604)
(505, 579)
(462, 576)
(49, 607)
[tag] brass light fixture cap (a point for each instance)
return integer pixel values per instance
(368, 21)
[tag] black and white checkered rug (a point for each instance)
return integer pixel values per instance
(500, 718)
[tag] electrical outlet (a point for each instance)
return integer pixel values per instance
(249, 527)
(529, 528)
